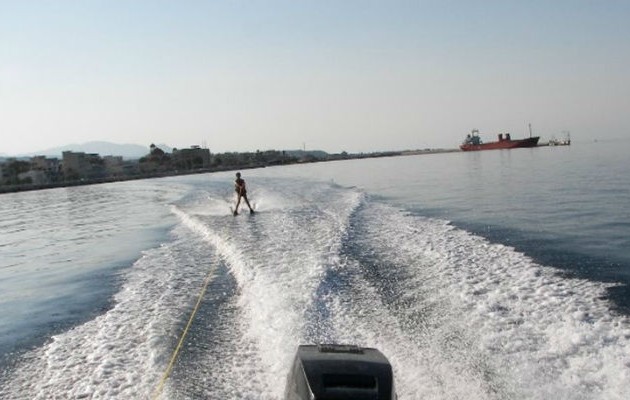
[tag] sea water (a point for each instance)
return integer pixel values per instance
(486, 275)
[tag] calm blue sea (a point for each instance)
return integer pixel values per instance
(485, 275)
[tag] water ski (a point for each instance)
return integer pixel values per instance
(235, 213)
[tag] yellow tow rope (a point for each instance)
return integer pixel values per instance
(169, 368)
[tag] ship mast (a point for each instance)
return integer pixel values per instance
(530, 130)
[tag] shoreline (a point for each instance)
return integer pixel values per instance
(5, 189)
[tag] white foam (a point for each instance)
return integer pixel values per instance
(535, 333)
(457, 316)
(121, 353)
(276, 286)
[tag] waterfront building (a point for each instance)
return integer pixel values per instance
(51, 167)
(79, 165)
(114, 165)
(34, 177)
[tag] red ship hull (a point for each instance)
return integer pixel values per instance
(501, 144)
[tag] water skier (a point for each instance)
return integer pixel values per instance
(241, 191)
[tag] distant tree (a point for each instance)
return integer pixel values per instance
(157, 160)
(156, 151)
(15, 168)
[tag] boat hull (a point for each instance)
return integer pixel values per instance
(502, 144)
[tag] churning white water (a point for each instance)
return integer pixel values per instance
(457, 316)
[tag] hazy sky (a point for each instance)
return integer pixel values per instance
(329, 75)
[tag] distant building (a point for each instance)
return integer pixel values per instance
(50, 166)
(79, 165)
(131, 168)
(73, 164)
(34, 177)
(193, 158)
(114, 165)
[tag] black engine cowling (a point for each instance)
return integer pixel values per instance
(340, 372)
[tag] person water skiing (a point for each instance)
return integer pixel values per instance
(241, 191)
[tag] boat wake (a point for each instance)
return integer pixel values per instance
(456, 315)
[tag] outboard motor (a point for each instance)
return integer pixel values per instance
(340, 372)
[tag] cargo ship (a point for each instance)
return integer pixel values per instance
(473, 142)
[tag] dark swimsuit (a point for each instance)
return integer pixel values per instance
(239, 184)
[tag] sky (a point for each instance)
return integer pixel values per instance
(332, 75)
